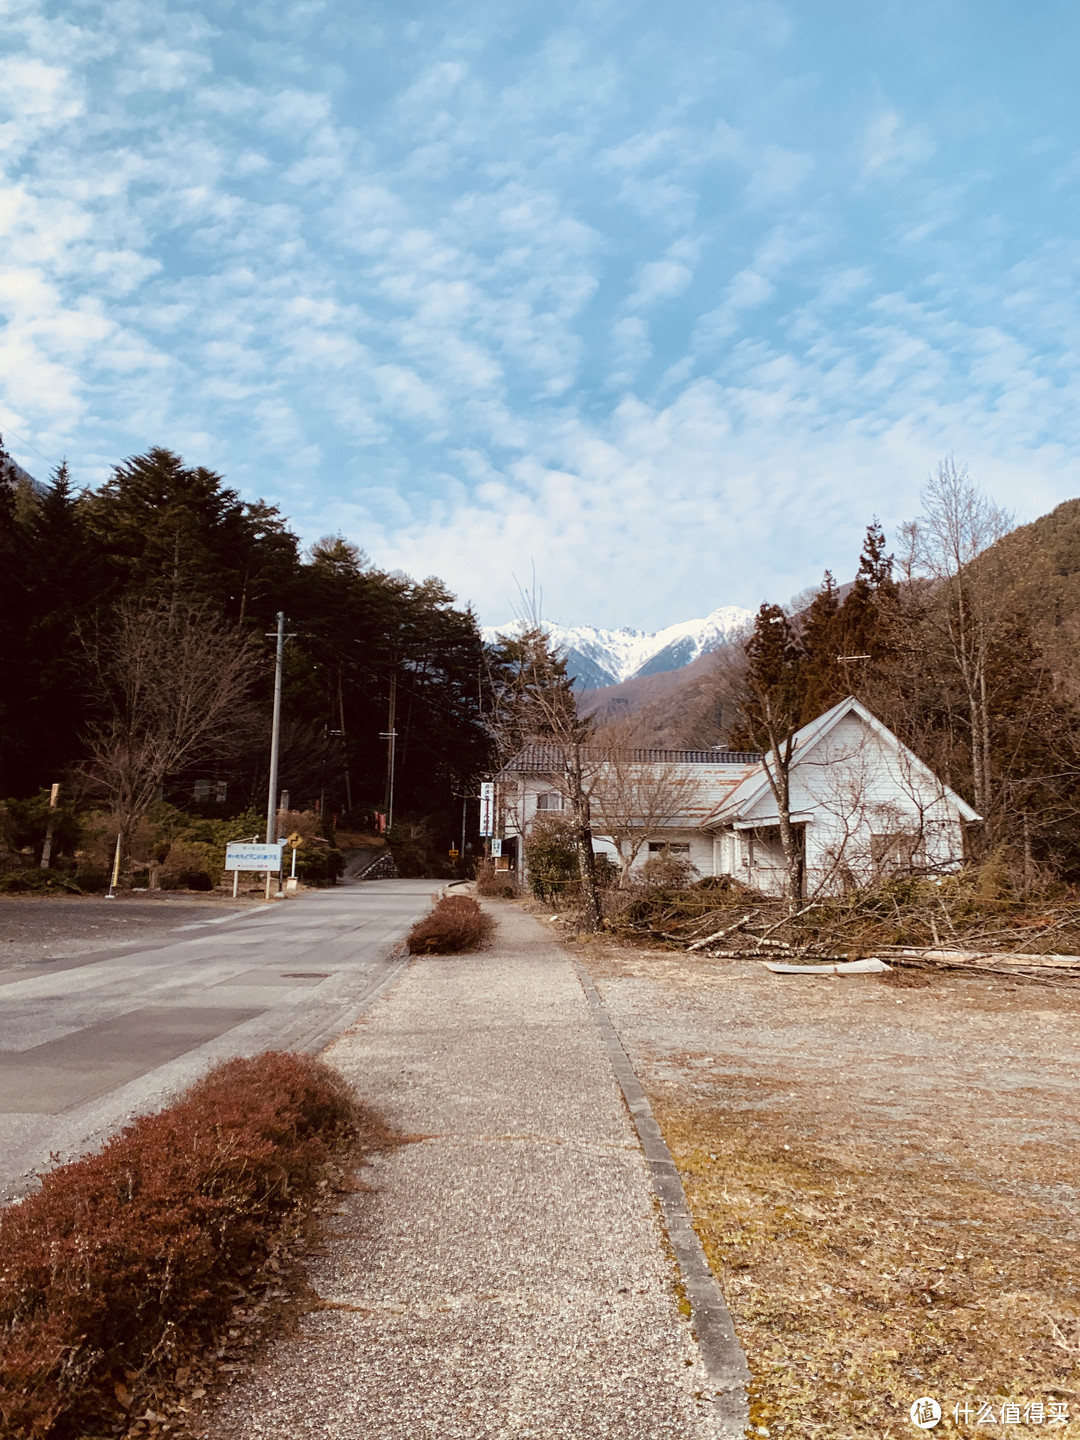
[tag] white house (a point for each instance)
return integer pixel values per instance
(862, 804)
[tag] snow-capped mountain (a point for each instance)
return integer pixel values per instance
(607, 657)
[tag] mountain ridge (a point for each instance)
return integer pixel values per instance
(598, 658)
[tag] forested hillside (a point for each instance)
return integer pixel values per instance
(130, 608)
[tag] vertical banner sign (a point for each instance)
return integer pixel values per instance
(496, 849)
(487, 808)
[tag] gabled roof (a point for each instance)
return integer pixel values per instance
(756, 785)
(550, 759)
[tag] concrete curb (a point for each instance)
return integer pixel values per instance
(727, 1372)
(327, 1034)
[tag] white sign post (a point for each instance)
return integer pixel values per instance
(487, 808)
(252, 857)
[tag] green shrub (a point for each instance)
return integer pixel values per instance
(23, 824)
(35, 881)
(316, 864)
(607, 872)
(91, 879)
(551, 858)
(191, 877)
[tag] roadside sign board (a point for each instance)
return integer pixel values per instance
(252, 857)
(496, 849)
(487, 807)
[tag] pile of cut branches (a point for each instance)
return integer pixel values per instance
(970, 920)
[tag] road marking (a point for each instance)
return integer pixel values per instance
(88, 1063)
(217, 920)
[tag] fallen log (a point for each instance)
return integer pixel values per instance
(721, 934)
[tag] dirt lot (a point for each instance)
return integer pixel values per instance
(884, 1176)
(39, 927)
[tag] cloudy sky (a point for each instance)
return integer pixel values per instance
(664, 301)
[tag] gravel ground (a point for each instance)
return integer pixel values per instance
(506, 1272)
(884, 1177)
(37, 927)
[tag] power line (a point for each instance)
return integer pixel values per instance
(22, 438)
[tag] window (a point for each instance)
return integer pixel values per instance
(656, 847)
(549, 800)
(210, 790)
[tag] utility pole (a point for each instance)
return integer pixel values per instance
(275, 743)
(390, 736)
(344, 742)
(275, 732)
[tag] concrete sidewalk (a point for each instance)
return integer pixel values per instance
(508, 1275)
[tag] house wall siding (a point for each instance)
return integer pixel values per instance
(849, 786)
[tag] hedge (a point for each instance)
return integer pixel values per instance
(128, 1260)
(456, 925)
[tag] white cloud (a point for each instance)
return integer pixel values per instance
(890, 147)
(489, 288)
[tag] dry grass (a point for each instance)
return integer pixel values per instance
(856, 1287)
(883, 1177)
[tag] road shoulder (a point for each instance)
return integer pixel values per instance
(507, 1271)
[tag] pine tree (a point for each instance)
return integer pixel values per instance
(822, 681)
(16, 609)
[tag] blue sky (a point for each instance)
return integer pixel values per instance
(663, 301)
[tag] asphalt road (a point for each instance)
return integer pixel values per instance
(90, 1039)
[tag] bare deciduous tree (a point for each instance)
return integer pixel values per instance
(633, 797)
(176, 678)
(535, 704)
(969, 602)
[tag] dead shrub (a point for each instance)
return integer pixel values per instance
(495, 884)
(127, 1260)
(455, 926)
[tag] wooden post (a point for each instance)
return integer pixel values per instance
(116, 867)
(46, 851)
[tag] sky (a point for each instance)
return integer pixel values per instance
(653, 307)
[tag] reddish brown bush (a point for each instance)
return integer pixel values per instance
(125, 1259)
(495, 884)
(456, 925)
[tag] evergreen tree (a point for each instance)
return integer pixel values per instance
(166, 527)
(864, 619)
(65, 580)
(15, 609)
(821, 629)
